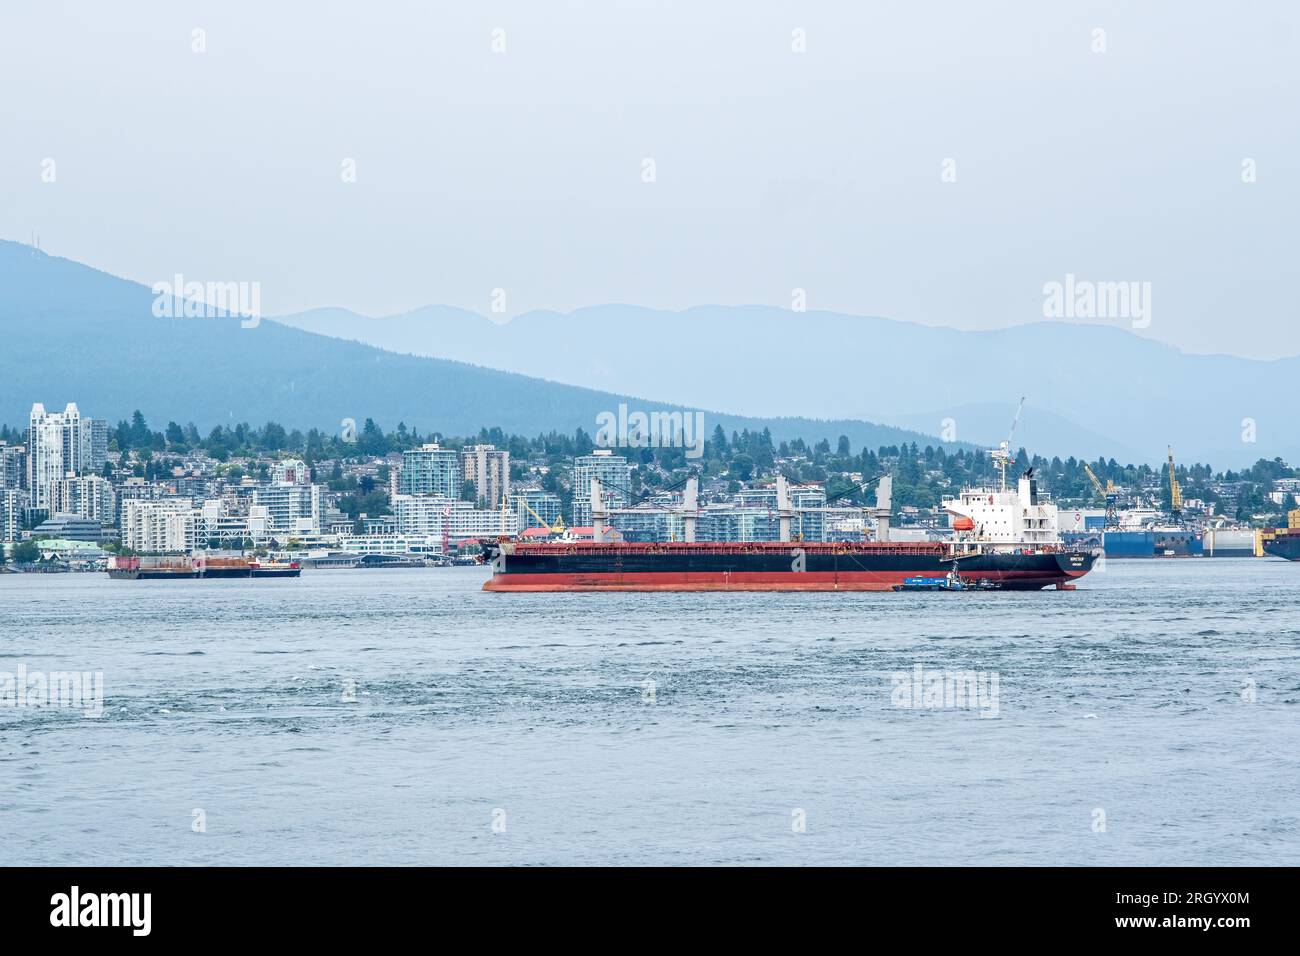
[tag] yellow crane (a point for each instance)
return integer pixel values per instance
(557, 528)
(1096, 482)
(1175, 489)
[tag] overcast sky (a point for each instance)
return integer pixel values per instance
(774, 169)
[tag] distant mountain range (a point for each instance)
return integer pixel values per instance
(1092, 390)
(69, 332)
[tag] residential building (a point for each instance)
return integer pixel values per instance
(13, 505)
(847, 524)
(87, 496)
(429, 514)
(809, 503)
(487, 468)
(752, 515)
(378, 524)
(290, 508)
(615, 477)
(648, 524)
(13, 466)
(430, 470)
(60, 444)
(727, 522)
(167, 525)
(290, 471)
(332, 518)
(137, 489)
(546, 504)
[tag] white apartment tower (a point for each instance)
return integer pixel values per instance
(159, 527)
(615, 477)
(87, 496)
(62, 445)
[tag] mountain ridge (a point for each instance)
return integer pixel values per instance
(1093, 389)
(71, 332)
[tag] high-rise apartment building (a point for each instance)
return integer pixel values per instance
(430, 470)
(60, 445)
(13, 504)
(614, 474)
(86, 496)
(293, 504)
(532, 504)
(487, 468)
(13, 466)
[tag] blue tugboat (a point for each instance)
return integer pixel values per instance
(952, 581)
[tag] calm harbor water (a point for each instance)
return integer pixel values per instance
(405, 717)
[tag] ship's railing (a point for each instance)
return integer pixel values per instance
(973, 546)
(738, 547)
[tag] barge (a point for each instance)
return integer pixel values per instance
(189, 567)
(1004, 539)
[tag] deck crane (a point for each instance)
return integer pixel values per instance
(1002, 454)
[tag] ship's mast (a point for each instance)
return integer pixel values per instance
(1002, 454)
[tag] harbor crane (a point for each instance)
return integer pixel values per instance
(1175, 490)
(1108, 494)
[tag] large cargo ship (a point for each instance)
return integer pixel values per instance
(1284, 542)
(1004, 539)
(1153, 543)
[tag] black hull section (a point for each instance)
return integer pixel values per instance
(1288, 547)
(131, 575)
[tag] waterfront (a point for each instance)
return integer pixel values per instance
(1128, 696)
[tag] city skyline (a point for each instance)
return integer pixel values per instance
(73, 479)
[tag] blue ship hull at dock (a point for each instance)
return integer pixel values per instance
(1160, 543)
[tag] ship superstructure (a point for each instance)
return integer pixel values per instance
(1023, 516)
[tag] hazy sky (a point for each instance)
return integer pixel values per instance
(775, 169)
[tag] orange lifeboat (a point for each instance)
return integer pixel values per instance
(963, 523)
